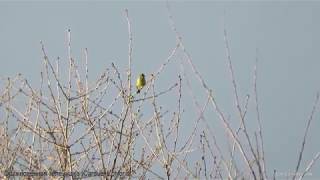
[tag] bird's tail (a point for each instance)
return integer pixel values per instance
(138, 91)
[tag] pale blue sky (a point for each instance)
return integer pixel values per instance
(286, 34)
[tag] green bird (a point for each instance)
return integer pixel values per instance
(140, 83)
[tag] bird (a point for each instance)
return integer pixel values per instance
(140, 83)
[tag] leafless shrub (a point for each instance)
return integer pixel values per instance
(68, 124)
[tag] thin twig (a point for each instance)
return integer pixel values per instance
(305, 135)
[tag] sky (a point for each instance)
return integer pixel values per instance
(286, 35)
